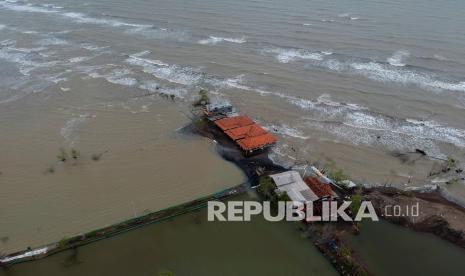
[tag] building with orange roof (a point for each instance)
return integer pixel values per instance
(245, 132)
(257, 142)
(322, 190)
(233, 122)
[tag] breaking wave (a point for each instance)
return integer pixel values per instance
(212, 40)
(13, 6)
(148, 31)
(288, 55)
(388, 73)
(398, 58)
(117, 76)
(286, 130)
(164, 71)
(394, 70)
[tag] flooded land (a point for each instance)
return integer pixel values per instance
(190, 245)
(112, 82)
(392, 250)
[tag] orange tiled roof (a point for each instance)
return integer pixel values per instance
(245, 131)
(251, 143)
(233, 122)
(319, 188)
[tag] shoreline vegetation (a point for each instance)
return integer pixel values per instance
(437, 215)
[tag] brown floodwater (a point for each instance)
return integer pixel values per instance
(392, 250)
(190, 245)
(147, 163)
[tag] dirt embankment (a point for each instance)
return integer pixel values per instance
(435, 214)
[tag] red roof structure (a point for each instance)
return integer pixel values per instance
(319, 188)
(257, 142)
(233, 122)
(245, 131)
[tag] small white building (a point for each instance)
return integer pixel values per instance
(292, 183)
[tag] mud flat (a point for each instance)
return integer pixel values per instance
(436, 214)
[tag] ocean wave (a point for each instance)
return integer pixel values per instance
(116, 76)
(286, 130)
(398, 58)
(347, 16)
(171, 73)
(51, 41)
(82, 18)
(148, 31)
(212, 40)
(78, 59)
(25, 59)
(388, 73)
(13, 6)
(370, 128)
(323, 105)
(151, 32)
(358, 125)
(286, 55)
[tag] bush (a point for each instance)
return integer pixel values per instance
(63, 243)
(203, 98)
(75, 154)
(266, 187)
(96, 156)
(356, 202)
(62, 155)
(165, 272)
(335, 173)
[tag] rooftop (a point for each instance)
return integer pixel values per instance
(318, 187)
(251, 143)
(245, 131)
(292, 183)
(233, 122)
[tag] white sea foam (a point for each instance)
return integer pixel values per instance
(25, 59)
(13, 6)
(286, 130)
(212, 40)
(388, 73)
(70, 127)
(419, 132)
(286, 55)
(148, 31)
(82, 18)
(116, 76)
(398, 58)
(164, 71)
(151, 32)
(92, 47)
(78, 59)
(50, 41)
